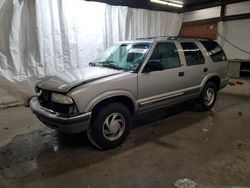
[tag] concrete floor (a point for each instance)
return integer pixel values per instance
(211, 148)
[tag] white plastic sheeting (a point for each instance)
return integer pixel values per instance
(236, 32)
(42, 37)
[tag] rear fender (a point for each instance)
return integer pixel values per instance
(207, 77)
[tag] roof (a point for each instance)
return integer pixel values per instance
(165, 38)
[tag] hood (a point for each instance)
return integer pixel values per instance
(64, 81)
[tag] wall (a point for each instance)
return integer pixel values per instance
(202, 14)
(237, 32)
(198, 29)
(214, 12)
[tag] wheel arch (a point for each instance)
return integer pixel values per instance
(126, 99)
(214, 78)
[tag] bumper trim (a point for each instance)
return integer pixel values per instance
(54, 119)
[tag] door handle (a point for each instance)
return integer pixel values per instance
(205, 70)
(181, 74)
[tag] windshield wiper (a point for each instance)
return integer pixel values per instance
(100, 63)
(108, 64)
(92, 64)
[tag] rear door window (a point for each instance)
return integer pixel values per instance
(193, 54)
(214, 51)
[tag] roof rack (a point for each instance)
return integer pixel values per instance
(145, 38)
(198, 38)
(153, 37)
(175, 37)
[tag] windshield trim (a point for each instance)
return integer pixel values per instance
(144, 58)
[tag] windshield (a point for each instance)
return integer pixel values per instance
(123, 56)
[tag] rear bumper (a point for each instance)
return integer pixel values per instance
(54, 120)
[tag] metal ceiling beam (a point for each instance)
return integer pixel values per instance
(212, 3)
(236, 17)
(188, 5)
(143, 4)
(222, 10)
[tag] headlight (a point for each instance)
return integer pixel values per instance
(38, 91)
(62, 99)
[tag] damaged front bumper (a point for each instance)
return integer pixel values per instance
(55, 120)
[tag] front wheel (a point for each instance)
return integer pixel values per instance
(208, 96)
(110, 126)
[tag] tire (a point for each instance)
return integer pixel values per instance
(110, 126)
(207, 97)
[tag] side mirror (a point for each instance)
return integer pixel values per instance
(153, 65)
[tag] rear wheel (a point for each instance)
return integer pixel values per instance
(110, 126)
(208, 96)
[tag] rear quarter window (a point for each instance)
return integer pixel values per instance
(214, 51)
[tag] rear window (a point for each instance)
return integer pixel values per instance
(192, 54)
(214, 51)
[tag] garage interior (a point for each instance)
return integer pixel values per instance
(40, 38)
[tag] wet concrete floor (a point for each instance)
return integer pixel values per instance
(211, 148)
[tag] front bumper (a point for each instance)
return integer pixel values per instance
(54, 120)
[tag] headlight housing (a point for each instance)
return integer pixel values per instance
(38, 91)
(62, 99)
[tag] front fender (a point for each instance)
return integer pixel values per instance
(110, 94)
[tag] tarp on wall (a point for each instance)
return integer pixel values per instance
(42, 37)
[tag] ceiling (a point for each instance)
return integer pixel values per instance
(188, 5)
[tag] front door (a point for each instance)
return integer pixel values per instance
(164, 85)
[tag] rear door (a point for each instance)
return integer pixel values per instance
(196, 67)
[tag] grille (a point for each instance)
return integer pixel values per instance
(64, 109)
(45, 98)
